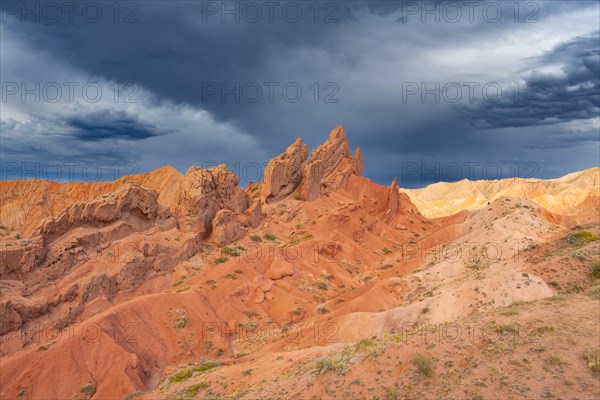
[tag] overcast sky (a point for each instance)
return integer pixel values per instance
(429, 91)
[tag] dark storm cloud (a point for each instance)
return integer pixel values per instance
(177, 52)
(109, 124)
(550, 97)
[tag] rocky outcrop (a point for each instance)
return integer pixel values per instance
(135, 205)
(226, 228)
(330, 166)
(284, 172)
(203, 193)
(10, 319)
(255, 215)
(327, 170)
(392, 201)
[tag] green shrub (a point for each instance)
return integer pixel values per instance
(323, 285)
(230, 251)
(323, 310)
(181, 320)
(592, 357)
(298, 197)
(337, 363)
(194, 389)
(43, 348)
(89, 389)
(423, 364)
(22, 392)
(270, 237)
(181, 376)
(247, 372)
(255, 238)
(581, 237)
(386, 250)
(207, 365)
(221, 260)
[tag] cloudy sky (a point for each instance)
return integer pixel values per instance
(429, 90)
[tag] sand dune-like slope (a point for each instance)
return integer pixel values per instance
(565, 195)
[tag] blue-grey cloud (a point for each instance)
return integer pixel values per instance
(110, 124)
(175, 52)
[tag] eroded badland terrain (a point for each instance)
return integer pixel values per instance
(315, 283)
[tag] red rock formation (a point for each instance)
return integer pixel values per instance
(330, 166)
(284, 172)
(226, 228)
(206, 191)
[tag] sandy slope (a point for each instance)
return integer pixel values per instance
(565, 195)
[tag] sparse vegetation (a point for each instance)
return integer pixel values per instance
(22, 392)
(392, 394)
(133, 395)
(269, 237)
(89, 389)
(43, 348)
(181, 320)
(555, 361)
(580, 238)
(594, 292)
(505, 328)
(337, 363)
(298, 196)
(255, 238)
(423, 364)
(592, 357)
(180, 376)
(386, 250)
(595, 272)
(194, 389)
(323, 310)
(221, 260)
(323, 285)
(207, 365)
(230, 251)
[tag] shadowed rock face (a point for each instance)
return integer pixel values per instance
(284, 172)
